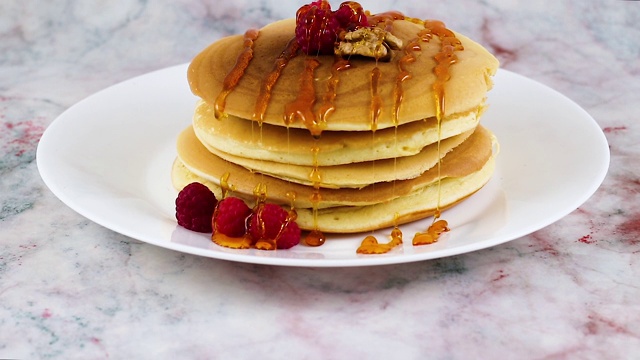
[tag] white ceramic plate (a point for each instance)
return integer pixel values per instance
(109, 158)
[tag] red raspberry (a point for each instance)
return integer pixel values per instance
(268, 222)
(318, 28)
(231, 217)
(290, 236)
(194, 207)
(351, 16)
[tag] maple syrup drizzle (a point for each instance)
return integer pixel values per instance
(444, 59)
(432, 234)
(370, 244)
(292, 196)
(302, 107)
(403, 75)
(233, 77)
(221, 239)
(293, 213)
(315, 237)
(376, 99)
(328, 100)
(262, 102)
(260, 193)
(224, 185)
(384, 17)
(315, 176)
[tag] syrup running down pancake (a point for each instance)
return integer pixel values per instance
(351, 143)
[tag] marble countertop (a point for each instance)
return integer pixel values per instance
(70, 288)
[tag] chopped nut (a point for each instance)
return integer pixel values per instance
(370, 42)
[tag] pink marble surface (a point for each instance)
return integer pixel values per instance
(72, 289)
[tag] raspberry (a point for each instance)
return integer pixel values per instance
(290, 236)
(231, 217)
(316, 28)
(194, 207)
(351, 16)
(268, 221)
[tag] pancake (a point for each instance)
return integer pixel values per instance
(420, 203)
(465, 159)
(465, 90)
(244, 138)
(355, 175)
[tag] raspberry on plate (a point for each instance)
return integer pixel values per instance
(271, 223)
(231, 217)
(290, 236)
(194, 207)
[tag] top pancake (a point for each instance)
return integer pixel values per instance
(465, 91)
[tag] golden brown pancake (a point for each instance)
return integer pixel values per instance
(468, 157)
(355, 175)
(245, 138)
(465, 90)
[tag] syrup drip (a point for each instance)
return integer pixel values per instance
(432, 234)
(301, 107)
(328, 101)
(224, 185)
(290, 51)
(233, 77)
(370, 244)
(293, 214)
(444, 59)
(403, 75)
(315, 237)
(232, 242)
(291, 195)
(376, 99)
(260, 192)
(385, 17)
(315, 177)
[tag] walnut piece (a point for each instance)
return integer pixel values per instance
(375, 42)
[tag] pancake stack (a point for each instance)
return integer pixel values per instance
(351, 143)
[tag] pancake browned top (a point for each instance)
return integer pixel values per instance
(465, 91)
